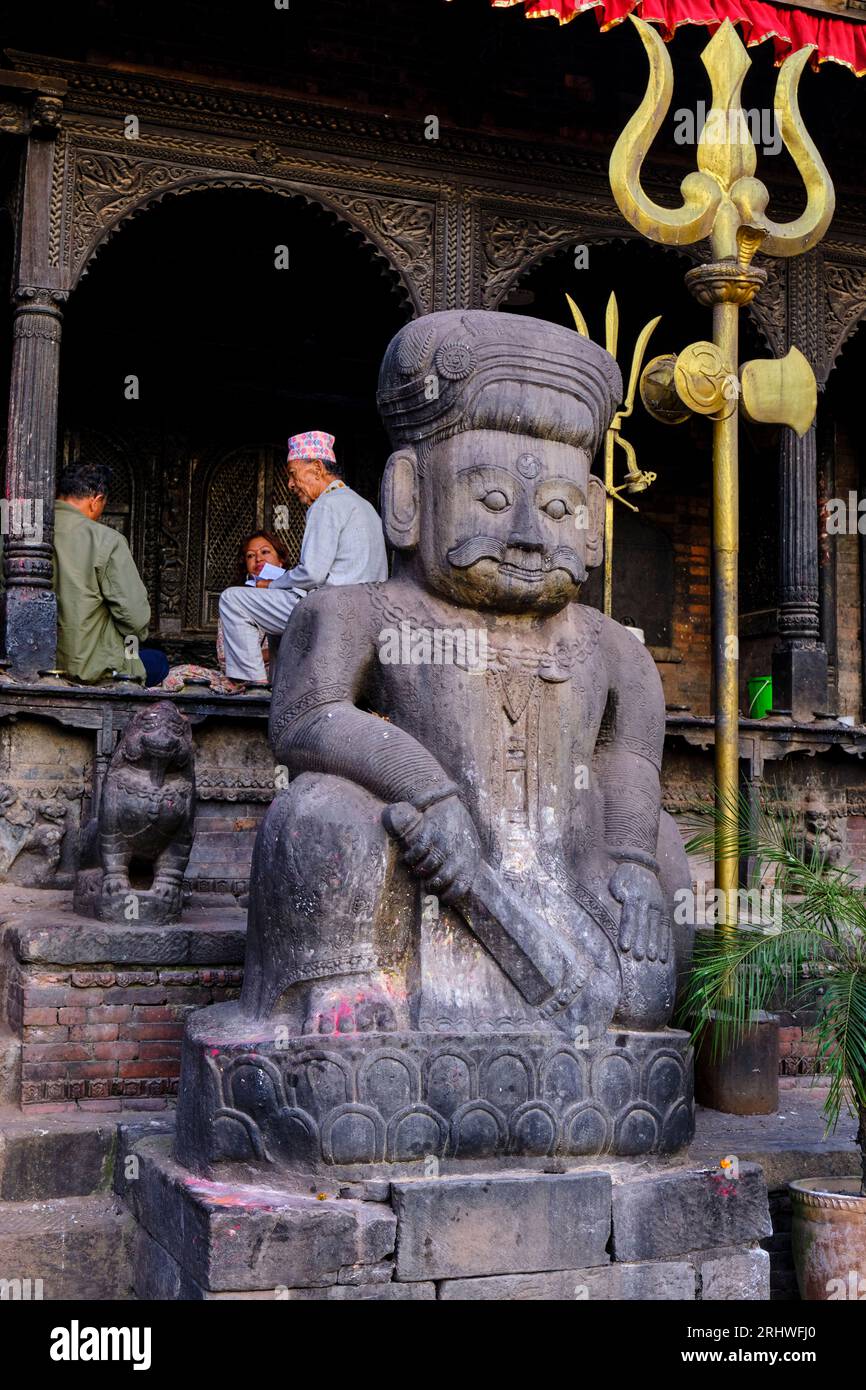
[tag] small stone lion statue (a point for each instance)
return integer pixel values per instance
(145, 823)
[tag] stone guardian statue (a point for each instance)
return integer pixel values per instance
(471, 844)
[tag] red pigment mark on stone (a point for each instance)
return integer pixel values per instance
(722, 1188)
(220, 1194)
(343, 1010)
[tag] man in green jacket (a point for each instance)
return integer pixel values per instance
(101, 600)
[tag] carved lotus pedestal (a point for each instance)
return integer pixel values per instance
(387, 1104)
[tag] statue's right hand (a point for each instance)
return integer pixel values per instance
(440, 845)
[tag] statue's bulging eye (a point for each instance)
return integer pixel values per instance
(556, 508)
(495, 500)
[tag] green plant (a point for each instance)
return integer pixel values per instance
(815, 951)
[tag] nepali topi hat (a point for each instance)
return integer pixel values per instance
(312, 444)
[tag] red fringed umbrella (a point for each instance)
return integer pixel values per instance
(834, 40)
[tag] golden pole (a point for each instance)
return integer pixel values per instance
(723, 201)
(725, 616)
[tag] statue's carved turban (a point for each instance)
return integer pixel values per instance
(473, 369)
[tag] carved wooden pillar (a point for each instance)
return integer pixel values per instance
(30, 610)
(800, 659)
(30, 605)
(827, 586)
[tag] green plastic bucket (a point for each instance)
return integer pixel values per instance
(760, 696)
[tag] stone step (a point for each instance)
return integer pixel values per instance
(70, 1248)
(10, 1066)
(50, 1156)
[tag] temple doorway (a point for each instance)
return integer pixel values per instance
(210, 328)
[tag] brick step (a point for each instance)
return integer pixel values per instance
(43, 1157)
(78, 1247)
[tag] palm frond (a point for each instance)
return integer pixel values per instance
(737, 972)
(841, 1030)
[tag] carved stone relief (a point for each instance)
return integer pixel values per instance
(33, 823)
(45, 774)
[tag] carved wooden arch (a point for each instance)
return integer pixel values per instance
(844, 308)
(515, 245)
(359, 212)
(531, 241)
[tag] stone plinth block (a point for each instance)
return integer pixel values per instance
(660, 1217)
(253, 1097)
(158, 1276)
(225, 1236)
(734, 1275)
(668, 1280)
(459, 1227)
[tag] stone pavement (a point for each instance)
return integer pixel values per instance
(788, 1144)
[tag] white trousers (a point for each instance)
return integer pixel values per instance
(249, 615)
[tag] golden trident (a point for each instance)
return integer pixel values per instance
(636, 479)
(725, 202)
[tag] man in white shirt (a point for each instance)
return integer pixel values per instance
(343, 544)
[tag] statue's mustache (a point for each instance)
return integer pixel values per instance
(477, 548)
(491, 548)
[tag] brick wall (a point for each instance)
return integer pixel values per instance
(107, 1039)
(686, 669)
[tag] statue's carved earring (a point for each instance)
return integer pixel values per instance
(595, 500)
(400, 504)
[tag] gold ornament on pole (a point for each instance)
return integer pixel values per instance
(724, 202)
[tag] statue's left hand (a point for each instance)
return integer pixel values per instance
(644, 924)
(440, 845)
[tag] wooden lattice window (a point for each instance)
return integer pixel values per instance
(242, 489)
(91, 446)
